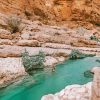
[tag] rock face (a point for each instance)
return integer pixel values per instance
(88, 10)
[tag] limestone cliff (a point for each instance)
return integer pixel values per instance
(59, 10)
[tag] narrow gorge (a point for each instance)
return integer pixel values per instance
(49, 49)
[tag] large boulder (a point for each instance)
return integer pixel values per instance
(10, 69)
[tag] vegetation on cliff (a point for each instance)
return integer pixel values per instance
(33, 62)
(14, 24)
(93, 37)
(76, 54)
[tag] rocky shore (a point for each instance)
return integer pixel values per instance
(72, 92)
(89, 91)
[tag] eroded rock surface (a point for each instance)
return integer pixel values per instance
(87, 10)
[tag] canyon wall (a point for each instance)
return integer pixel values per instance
(58, 10)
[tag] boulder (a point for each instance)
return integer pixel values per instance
(10, 69)
(50, 61)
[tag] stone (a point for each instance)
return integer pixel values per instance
(10, 69)
(6, 42)
(49, 61)
(4, 34)
(25, 36)
(60, 59)
(30, 43)
(96, 84)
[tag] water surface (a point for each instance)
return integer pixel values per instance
(70, 72)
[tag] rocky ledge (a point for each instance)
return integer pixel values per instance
(72, 92)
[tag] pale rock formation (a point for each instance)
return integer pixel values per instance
(30, 43)
(25, 36)
(50, 61)
(72, 92)
(4, 34)
(6, 42)
(96, 84)
(15, 51)
(10, 69)
(61, 58)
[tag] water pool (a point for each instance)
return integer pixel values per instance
(70, 72)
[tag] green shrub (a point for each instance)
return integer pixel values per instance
(76, 54)
(93, 37)
(14, 24)
(33, 62)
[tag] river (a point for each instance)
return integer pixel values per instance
(67, 73)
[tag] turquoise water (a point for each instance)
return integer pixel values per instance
(70, 72)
